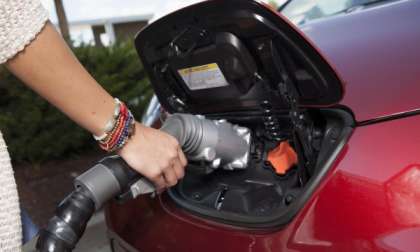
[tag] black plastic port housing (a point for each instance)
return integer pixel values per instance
(257, 197)
(223, 68)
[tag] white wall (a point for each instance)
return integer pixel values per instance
(167, 6)
(81, 34)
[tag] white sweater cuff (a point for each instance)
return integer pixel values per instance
(20, 23)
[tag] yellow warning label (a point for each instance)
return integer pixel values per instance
(203, 77)
(198, 69)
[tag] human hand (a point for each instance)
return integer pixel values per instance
(156, 155)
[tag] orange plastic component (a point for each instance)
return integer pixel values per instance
(283, 157)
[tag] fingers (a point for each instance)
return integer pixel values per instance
(182, 158)
(176, 171)
(156, 155)
(170, 177)
(159, 182)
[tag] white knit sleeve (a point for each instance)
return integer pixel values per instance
(20, 22)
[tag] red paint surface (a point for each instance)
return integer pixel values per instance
(369, 201)
(376, 53)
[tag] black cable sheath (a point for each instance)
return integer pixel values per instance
(69, 223)
(65, 229)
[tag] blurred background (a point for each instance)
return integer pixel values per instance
(103, 22)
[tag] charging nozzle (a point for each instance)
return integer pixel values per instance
(218, 142)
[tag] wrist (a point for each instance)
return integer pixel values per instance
(118, 130)
(138, 128)
(101, 116)
(111, 123)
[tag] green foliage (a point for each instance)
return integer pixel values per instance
(35, 131)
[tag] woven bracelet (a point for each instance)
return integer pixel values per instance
(119, 129)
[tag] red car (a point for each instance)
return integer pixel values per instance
(346, 96)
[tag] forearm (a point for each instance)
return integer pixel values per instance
(49, 67)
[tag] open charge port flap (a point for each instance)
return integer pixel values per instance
(258, 196)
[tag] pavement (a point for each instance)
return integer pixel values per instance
(95, 237)
(55, 179)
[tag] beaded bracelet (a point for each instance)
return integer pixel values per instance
(118, 130)
(111, 123)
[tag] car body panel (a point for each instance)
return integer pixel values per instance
(369, 200)
(376, 53)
